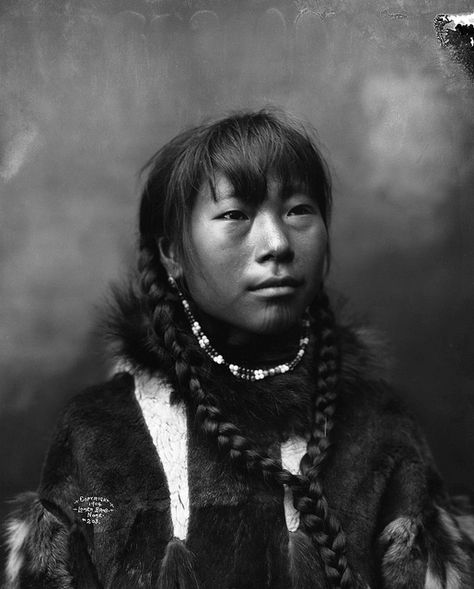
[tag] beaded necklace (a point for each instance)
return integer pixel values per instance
(242, 372)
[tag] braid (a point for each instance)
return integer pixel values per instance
(158, 308)
(164, 337)
(173, 351)
(173, 348)
(317, 517)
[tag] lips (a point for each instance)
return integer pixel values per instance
(277, 282)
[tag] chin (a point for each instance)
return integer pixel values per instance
(276, 322)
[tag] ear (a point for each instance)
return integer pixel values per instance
(169, 257)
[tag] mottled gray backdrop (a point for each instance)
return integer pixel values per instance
(90, 88)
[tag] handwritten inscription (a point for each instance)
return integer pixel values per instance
(92, 508)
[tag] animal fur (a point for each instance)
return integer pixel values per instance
(429, 554)
(380, 480)
(44, 551)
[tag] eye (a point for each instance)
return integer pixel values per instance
(302, 209)
(234, 215)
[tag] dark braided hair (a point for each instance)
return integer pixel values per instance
(245, 147)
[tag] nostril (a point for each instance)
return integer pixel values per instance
(272, 240)
(280, 252)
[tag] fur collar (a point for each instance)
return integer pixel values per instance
(281, 406)
(364, 350)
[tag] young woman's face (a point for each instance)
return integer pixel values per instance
(255, 266)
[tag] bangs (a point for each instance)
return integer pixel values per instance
(253, 148)
(249, 148)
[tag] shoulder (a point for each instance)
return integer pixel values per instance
(95, 420)
(368, 400)
(366, 370)
(89, 426)
(102, 396)
(101, 445)
(98, 404)
(40, 531)
(364, 353)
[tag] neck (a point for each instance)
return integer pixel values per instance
(252, 349)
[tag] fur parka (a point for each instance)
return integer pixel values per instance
(101, 516)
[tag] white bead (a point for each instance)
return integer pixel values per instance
(239, 371)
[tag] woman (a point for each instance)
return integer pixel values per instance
(247, 440)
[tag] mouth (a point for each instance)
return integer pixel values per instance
(276, 286)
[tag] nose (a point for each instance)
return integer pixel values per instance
(272, 239)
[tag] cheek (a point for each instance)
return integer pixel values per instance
(216, 263)
(313, 252)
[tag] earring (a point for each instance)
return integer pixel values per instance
(172, 282)
(175, 286)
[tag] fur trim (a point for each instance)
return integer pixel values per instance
(466, 524)
(126, 328)
(364, 351)
(16, 534)
(305, 565)
(44, 551)
(457, 565)
(401, 563)
(177, 568)
(36, 541)
(425, 555)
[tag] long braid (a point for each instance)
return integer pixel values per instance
(325, 529)
(318, 521)
(164, 335)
